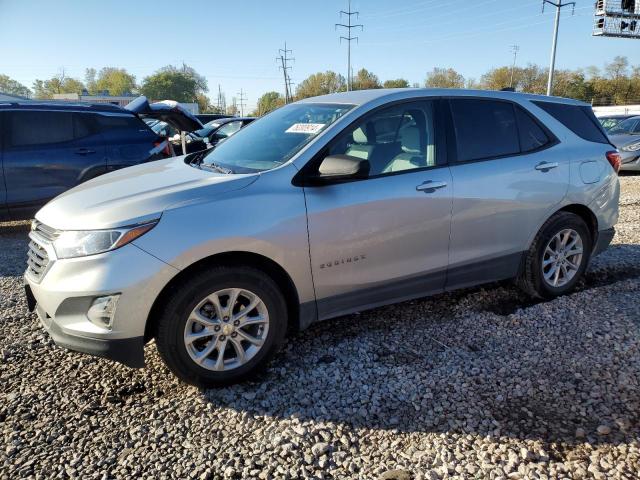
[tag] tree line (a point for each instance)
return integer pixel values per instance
(617, 83)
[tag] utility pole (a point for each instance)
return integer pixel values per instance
(514, 49)
(349, 26)
(284, 60)
(552, 67)
(243, 97)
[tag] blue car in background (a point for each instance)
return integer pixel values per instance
(47, 148)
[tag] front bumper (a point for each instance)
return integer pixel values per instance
(64, 294)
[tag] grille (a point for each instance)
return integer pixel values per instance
(37, 257)
(37, 260)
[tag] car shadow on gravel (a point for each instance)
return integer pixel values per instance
(485, 361)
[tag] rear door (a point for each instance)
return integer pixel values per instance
(47, 153)
(127, 139)
(508, 177)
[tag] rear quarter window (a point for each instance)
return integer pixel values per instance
(31, 128)
(577, 118)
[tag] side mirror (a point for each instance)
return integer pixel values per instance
(340, 168)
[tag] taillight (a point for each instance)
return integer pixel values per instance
(615, 160)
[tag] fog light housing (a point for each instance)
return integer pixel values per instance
(102, 311)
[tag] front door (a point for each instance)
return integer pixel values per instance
(382, 239)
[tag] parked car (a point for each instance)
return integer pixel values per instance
(324, 207)
(626, 136)
(610, 121)
(46, 148)
(208, 117)
(222, 129)
(203, 138)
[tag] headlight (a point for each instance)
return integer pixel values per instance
(634, 147)
(80, 243)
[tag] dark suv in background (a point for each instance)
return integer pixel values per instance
(46, 148)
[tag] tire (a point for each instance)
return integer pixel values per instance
(539, 261)
(190, 305)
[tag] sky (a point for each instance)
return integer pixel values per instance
(234, 43)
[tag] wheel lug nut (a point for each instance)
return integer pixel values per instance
(226, 319)
(222, 337)
(236, 323)
(234, 335)
(216, 328)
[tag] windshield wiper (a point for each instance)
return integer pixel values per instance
(216, 168)
(197, 157)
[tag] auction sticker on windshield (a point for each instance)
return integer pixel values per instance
(308, 128)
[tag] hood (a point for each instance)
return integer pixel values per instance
(625, 139)
(167, 111)
(136, 194)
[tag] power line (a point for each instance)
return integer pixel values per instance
(284, 61)
(243, 97)
(349, 38)
(559, 6)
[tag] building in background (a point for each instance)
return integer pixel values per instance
(10, 97)
(121, 100)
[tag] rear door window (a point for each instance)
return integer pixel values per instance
(577, 118)
(484, 129)
(120, 122)
(29, 128)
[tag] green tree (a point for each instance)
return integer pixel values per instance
(498, 78)
(57, 84)
(117, 81)
(444, 78)
(204, 103)
(13, 87)
(268, 102)
(396, 83)
(365, 80)
(172, 83)
(321, 84)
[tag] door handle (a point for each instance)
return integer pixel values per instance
(430, 186)
(84, 151)
(546, 166)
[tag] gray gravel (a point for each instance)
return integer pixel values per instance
(481, 383)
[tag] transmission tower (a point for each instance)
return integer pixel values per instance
(559, 6)
(243, 97)
(514, 49)
(284, 60)
(349, 26)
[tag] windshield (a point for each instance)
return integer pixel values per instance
(630, 125)
(275, 138)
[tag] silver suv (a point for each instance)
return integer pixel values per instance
(327, 206)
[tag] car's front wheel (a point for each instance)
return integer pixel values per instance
(558, 257)
(222, 326)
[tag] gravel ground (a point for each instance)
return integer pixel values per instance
(481, 383)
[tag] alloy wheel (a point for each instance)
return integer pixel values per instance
(562, 258)
(226, 329)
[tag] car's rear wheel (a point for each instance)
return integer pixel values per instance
(558, 257)
(222, 327)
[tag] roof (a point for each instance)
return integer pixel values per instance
(360, 97)
(60, 105)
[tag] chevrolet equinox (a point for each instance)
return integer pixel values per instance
(326, 206)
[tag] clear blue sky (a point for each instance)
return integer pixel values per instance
(234, 43)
